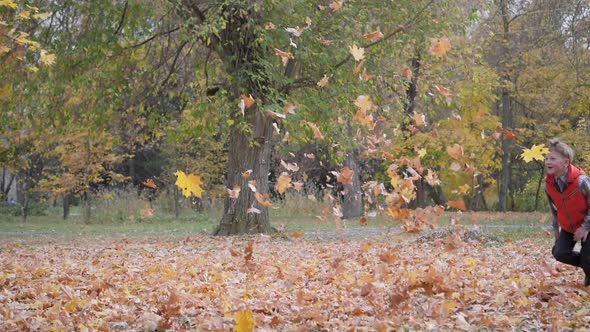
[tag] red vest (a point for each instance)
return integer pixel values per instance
(571, 205)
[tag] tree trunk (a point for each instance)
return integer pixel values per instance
(505, 114)
(66, 205)
(248, 153)
(352, 198)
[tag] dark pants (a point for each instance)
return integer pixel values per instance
(564, 252)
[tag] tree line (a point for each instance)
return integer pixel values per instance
(432, 101)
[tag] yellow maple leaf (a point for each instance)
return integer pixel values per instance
(244, 321)
(283, 182)
(358, 53)
(440, 46)
(536, 152)
(189, 184)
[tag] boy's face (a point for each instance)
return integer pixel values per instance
(556, 164)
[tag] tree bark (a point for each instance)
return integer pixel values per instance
(248, 153)
(352, 198)
(505, 112)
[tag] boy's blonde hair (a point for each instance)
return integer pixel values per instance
(555, 144)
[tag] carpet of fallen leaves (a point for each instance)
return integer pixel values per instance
(203, 283)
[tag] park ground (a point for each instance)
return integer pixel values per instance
(497, 274)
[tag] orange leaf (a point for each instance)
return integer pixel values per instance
(150, 184)
(358, 68)
(262, 199)
(246, 174)
(322, 83)
(373, 36)
(316, 131)
(248, 101)
(297, 234)
(147, 211)
(439, 46)
(365, 76)
(508, 134)
(325, 42)
(407, 72)
(455, 151)
(459, 204)
(345, 175)
(285, 56)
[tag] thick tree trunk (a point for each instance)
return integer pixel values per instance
(248, 152)
(352, 202)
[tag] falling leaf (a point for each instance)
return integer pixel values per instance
(295, 31)
(358, 53)
(373, 36)
(455, 151)
(432, 178)
(285, 56)
(147, 211)
(283, 183)
(439, 46)
(363, 103)
(322, 83)
(298, 186)
(296, 235)
(276, 115)
(455, 166)
(325, 42)
(316, 131)
(244, 321)
(234, 193)
(263, 199)
(407, 72)
(536, 152)
(253, 210)
(289, 109)
(189, 184)
(292, 167)
(508, 134)
(358, 68)
(419, 119)
(252, 185)
(246, 174)
(458, 204)
(150, 184)
(345, 175)
(335, 5)
(47, 59)
(364, 76)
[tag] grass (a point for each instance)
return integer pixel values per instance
(121, 217)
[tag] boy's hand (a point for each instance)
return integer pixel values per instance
(580, 234)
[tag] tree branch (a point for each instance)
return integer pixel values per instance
(305, 82)
(122, 20)
(153, 37)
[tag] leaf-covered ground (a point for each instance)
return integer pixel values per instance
(217, 284)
